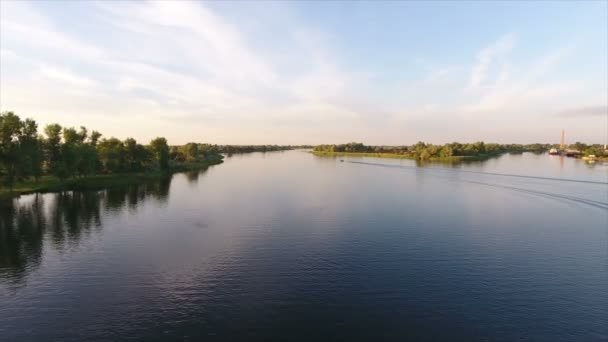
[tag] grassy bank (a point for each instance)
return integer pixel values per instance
(94, 182)
(402, 156)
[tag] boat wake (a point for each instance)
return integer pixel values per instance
(597, 204)
(479, 172)
(590, 202)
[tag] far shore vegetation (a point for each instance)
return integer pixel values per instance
(65, 158)
(235, 149)
(448, 152)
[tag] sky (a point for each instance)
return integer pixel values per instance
(287, 72)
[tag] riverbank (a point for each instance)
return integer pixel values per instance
(102, 181)
(404, 156)
(362, 154)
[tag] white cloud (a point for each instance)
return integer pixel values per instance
(175, 64)
(489, 55)
(23, 24)
(226, 77)
(236, 71)
(524, 88)
(208, 41)
(66, 76)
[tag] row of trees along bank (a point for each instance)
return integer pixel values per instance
(67, 152)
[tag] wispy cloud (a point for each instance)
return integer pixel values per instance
(66, 76)
(522, 88)
(225, 76)
(495, 53)
(208, 41)
(584, 112)
(199, 67)
(22, 23)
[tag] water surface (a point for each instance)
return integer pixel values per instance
(289, 246)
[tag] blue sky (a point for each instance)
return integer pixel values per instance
(310, 72)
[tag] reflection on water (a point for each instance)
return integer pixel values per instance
(289, 246)
(63, 219)
(21, 229)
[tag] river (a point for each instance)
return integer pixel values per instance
(290, 246)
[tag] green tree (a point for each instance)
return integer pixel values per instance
(131, 162)
(446, 151)
(579, 146)
(10, 131)
(30, 150)
(190, 151)
(591, 150)
(83, 133)
(136, 156)
(94, 139)
(70, 152)
(111, 155)
(160, 151)
(419, 147)
(88, 162)
(52, 148)
(20, 150)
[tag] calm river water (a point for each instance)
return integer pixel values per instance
(289, 246)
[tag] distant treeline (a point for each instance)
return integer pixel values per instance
(230, 149)
(66, 152)
(424, 151)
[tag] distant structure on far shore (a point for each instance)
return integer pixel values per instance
(563, 151)
(562, 145)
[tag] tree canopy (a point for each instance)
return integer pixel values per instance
(66, 152)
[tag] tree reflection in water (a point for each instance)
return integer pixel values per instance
(61, 220)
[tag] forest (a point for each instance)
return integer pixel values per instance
(62, 153)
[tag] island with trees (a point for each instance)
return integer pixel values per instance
(453, 151)
(65, 158)
(423, 151)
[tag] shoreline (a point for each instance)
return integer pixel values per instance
(100, 181)
(402, 156)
